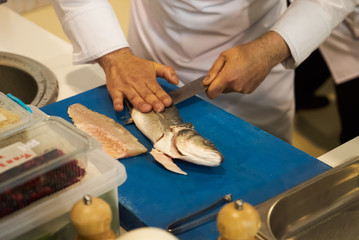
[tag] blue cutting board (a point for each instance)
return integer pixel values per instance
(257, 166)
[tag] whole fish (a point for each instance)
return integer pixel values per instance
(116, 140)
(174, 139)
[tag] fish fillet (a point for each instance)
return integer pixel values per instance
(116, 140)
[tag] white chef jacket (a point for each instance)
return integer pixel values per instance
(189, 35)
(341, 49)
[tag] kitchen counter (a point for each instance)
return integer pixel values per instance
(341, 154)
(25, 38)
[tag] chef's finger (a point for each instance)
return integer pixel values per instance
(217, 87)
(215, 70)
(161, 95)
(117, 99)
(150, 97)
(137, 101)
(166, 72)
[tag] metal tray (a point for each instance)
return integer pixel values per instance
(324, 207)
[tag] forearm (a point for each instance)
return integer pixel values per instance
(91, 26)
(274, 49)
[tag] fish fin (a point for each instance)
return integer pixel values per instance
(166, 161)
(129, 121)
(129, 107)
(128, 104)
(187, 125)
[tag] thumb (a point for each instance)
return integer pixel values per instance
(166, 72)
(215, 70)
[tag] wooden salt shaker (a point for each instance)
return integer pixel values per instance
(92, 218)
(238, 221)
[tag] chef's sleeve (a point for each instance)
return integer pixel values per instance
(307, 23)
(91, 26)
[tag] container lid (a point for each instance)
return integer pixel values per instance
(52, 141)
(12, 116)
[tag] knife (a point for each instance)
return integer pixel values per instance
(188, 90)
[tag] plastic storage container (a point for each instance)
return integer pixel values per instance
(40, 160)
(47, 167)
(13, 117)
(49, 219)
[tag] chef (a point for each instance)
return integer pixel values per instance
(341, 53)
(246, 48)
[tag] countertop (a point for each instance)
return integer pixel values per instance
(20, 36)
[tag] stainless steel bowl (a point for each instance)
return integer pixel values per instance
(324, 207)
(27, 80)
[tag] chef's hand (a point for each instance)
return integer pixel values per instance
(242, 68)
(128, 76)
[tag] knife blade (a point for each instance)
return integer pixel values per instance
(188, 90)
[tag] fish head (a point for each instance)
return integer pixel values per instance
(196, 149)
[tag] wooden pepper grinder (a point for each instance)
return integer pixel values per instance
(238, 221)
(92, 218)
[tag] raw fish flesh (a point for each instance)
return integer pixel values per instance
(116, 140)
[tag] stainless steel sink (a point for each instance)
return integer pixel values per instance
(325, 207)
(27, 80)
